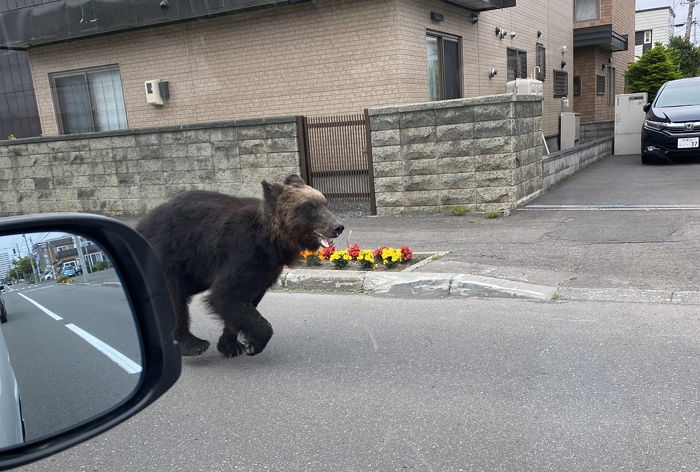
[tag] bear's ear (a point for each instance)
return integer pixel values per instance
(295, 181)
(271, 191)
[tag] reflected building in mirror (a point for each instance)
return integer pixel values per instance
(5, 264)
(55, 255)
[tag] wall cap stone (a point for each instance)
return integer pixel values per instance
(457, 103)
(156, 129)
(575, 150)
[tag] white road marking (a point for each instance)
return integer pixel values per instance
(42, 308)
(129, 366)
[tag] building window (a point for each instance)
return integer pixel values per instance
(89, 100)
(600, 85)
(647, 37)
(611, 86)
(444, 67)
(638, 38)
(541, 72)
(517, 64)
(586, 10)
(561, 83)
(577, 86)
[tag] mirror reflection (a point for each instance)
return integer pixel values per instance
(69, 344)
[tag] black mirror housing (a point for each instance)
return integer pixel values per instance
(148, 296)
(646, 107)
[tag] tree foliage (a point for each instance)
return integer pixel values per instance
(20, 268)
(685, 56)
(650, 72)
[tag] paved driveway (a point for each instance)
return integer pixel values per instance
(623, 180)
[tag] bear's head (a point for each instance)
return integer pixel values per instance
(299, 215)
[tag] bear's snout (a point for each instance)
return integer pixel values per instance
(337, 229)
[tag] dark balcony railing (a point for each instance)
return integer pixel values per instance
(48, 21)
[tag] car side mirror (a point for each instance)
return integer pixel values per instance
(646, 107)
(77, 359)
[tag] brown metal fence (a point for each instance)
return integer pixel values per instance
(336, 158)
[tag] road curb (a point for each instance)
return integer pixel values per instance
(445, 285)
(411, 284)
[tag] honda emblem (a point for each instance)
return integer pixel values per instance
(689, 126)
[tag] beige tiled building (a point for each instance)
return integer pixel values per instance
(323, 57)
(603, 47)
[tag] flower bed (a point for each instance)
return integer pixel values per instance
(355, 258)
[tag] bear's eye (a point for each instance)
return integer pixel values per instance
(307, 209)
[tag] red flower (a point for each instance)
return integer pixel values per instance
(354, 251)
(378, 252)
(406, 254)
(326, 252)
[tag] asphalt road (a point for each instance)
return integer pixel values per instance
(623, 180)
(355, 383)
(62, 378)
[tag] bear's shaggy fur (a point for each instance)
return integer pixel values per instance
(235, 248)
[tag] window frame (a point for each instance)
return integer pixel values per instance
(577, 86)
(598, 82)
(84, 73)
(559, 72)
(597, 12)
(441, 37)
(542, 74)
(649, 33)
(612, 73)
(518, 54)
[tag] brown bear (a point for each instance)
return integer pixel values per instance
(235, 248)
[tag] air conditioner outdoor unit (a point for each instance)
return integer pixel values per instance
(525, 87)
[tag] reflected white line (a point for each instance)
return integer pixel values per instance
(129, 366)
(42, 308)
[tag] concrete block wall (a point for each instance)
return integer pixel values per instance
(596, 130)
(482, 154)
(126, 173)
(559, 165)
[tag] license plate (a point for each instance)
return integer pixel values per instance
(684, 143)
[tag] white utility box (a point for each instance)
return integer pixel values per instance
(629, 118)
(570, 130)
(525, 87)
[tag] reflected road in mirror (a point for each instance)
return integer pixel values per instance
(70, 335)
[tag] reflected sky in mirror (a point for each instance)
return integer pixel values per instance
(69, 338)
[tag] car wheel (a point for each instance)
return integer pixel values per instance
(3, 314)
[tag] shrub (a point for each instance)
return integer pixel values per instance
(101, 265)
(650, 72)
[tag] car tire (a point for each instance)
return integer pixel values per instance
(648, 160)
(3, 314)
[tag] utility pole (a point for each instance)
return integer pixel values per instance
(30, 255)
(76, 241)
(689, 20)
